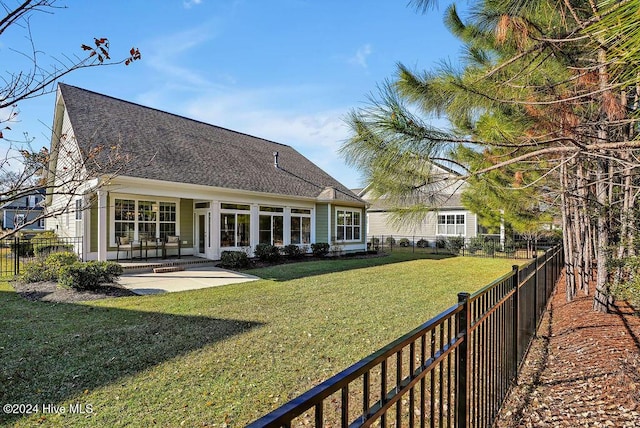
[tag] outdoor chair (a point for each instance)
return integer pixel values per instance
(169, 243)
(149, 243)
(124, 244)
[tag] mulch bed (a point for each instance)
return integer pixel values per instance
(583, 369)
(50, 292)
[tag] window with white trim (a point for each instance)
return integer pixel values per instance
(271, 224)
(348, 224)
(78, 209)
(300, 226)
(167, 219)
(144, 219)
(235, 225)
(19, 220)
(451, 224)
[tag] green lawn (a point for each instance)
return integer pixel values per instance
(219, 355)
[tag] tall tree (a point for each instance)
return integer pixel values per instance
(534, 111)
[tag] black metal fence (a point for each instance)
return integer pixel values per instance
(15, 251)
(479, 246)
(455, 370)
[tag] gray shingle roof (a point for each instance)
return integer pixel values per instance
(168, 147)
(443, 202)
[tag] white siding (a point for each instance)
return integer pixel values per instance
(68, 177)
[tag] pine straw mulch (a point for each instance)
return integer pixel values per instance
(582, 370)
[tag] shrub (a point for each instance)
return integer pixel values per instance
(109, 271)
(336, 250)
(56, 261)
(391, 241)
(404, 242)
(293, 251)
(43, 248)
(267, 252)
(422, 243)
(35, 271)
(89, 275)
(489, 247)
(23, 248)
(509, 247)
(48, 242)
(454, 244)
(475, 245)
(234, 259)
(320, 249)
(441, 243)
(47, 269)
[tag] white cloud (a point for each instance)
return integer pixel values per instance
(360, 57)
(165, 54)
(317, 134)
(190, 3)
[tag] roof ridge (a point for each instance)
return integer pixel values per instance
(61, 85)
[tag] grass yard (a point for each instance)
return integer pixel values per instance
(223, 355)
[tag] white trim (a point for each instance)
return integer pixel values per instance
(102, 225)
(146, 186)
(197, 212)
(352, 226)
(137, 198)
(329, 223)
(310, 216)
(455, 224)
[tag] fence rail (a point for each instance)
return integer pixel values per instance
(479, 246)
(455, 370)
(15, 251)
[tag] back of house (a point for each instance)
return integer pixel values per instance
(125, 173)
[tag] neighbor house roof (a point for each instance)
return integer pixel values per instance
(441, 202)
(168, 147)
(443, 194)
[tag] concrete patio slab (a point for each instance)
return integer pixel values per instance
(190, 279)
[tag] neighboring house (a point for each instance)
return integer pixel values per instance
(448, 218)
(215, 188)
(24, 210)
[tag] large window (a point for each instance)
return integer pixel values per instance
(167, 219)
(451, 224)
(147, 219)
(271, 225)
(125, 218)
(235, 225)
(300, 226)
(144, 219)
(348, 225)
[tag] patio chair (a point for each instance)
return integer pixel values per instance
(149, 243)
(170, 242)
(124, 244)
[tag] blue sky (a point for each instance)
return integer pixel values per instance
(285, 70)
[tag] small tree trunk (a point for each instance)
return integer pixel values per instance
(570, 284)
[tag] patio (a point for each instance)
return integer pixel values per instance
(173, 275)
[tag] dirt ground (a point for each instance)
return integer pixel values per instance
(583, 369)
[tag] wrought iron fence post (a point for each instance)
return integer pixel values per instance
(463, 379)
(16, 255)
(535, 297)
(516, 318)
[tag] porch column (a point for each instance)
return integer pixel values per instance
(86, 226)
(102, 225)
(286, 226)
(254, 234)
(329, 224)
